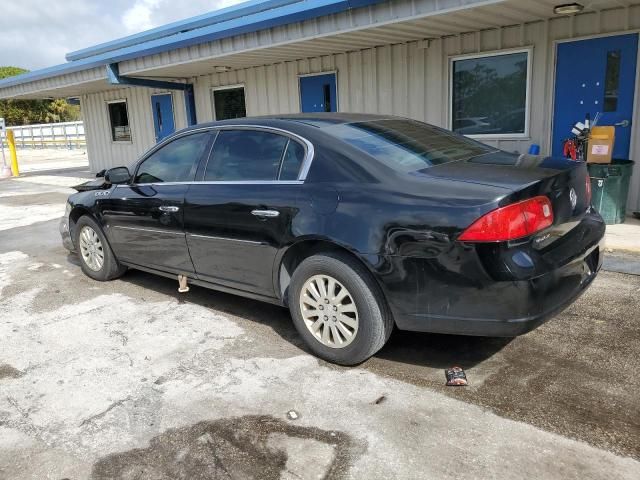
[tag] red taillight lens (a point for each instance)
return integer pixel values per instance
(588, 189)
(514, 221)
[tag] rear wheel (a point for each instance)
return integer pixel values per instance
(338, 309)
(96, 257)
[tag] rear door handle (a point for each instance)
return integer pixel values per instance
(623, 124)
(265, 213)
(168, 208)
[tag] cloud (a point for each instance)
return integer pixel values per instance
(138, 17)
(38, 33)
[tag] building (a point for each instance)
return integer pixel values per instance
(509, 72)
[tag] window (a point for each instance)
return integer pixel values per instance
(229, 103)
(246, 155)
(175, 161)
(489, 94)
(292, 161)
(407, 145)
(612, 81)
(119, 121)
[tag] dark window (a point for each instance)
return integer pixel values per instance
(292, 161)
(245, 155)
(407, 145)
(175, 161)
(119, 122)
(612, 81)
(229, 103)
(489, 94)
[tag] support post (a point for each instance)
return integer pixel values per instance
(11, 141)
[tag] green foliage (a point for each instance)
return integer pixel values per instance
(29, 112)
(11, 72)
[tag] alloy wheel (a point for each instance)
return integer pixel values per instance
(91, 248)
(329, 311)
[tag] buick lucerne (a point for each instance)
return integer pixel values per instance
(356, 223)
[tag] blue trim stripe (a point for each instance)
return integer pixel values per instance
(274, 17)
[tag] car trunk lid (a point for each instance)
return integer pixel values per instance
(564, 182)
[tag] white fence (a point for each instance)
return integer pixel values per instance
(51, 135)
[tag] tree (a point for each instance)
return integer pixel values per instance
(28, 112)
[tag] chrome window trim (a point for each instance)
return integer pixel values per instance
(284, 153)
(302, 174)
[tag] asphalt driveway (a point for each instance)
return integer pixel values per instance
(130, 379)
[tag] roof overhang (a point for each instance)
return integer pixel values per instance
(265, 32)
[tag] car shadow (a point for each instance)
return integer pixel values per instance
(440, 351)
(408, 348)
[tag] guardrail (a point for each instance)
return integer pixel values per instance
(50, 135)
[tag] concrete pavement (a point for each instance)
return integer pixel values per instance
(129, 379)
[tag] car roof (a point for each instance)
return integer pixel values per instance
(318, 120)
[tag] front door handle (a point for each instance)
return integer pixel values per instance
(265, 213)
(623, 124)
(169, 209)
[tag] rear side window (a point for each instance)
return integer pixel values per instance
(250, 155)
(292, 161)
(407, 145)
(175, 161)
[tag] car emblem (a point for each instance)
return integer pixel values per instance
(573, 198)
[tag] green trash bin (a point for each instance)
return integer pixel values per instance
(610, 187)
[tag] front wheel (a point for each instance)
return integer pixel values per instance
(96, 257)
(338, 309)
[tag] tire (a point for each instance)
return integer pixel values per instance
(373, 322)
(99, 263)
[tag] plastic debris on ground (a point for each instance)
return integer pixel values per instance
(456, 377)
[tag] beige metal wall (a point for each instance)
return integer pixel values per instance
(412, 79)
(409, 79)
(105, 153)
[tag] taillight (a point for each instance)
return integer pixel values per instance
(588, 189)
(514, 221)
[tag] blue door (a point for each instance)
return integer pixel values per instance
(162, 106)
(596, 76)
(318, 93)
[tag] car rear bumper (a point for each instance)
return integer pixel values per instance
(65, 233)
(432, 298)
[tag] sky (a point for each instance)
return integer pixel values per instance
(38, 33)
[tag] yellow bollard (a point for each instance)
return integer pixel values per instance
(12, 150)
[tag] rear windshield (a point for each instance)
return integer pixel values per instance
(408, 145)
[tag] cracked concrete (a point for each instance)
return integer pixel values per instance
(127, 379)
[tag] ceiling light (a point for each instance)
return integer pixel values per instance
(568, 9)
(221, 69)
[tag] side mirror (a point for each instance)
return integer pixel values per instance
(101, 173)
(117, 175)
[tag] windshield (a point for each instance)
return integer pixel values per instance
(408, 145)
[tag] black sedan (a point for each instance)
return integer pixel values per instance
(357, 223)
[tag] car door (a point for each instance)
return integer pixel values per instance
(239, 213)
(144, 220)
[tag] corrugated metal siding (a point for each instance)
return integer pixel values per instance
(412, 79)
(102, 151)
(60, 84)
(409, 79)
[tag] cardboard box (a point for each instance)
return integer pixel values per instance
(600, 146)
